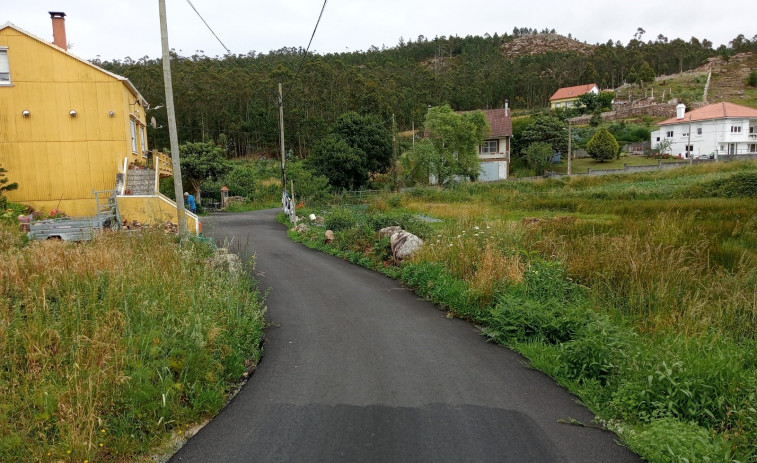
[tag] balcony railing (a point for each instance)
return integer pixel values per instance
(162, 163)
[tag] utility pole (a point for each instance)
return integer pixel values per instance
(281, 139)
(688, 145)
(174, 138)
(570, 139)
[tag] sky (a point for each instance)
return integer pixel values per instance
(111, 29)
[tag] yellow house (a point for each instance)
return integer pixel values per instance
(69, 128)
(567, 97)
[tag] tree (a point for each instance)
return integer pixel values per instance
(456, 138)
(646, 73)
(345, 166)
(201, 161)
(4, 185)
(602, 145)
(421, 161)
(539, 156)
(548, 129)
(368, 134)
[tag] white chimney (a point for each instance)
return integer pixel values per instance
(680, 110)
(507, 109)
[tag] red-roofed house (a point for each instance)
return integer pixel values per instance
(712, 130)
(567, 97)
(494, 152)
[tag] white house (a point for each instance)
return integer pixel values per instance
(712, 130)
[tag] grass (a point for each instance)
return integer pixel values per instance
(109, 347)
(636, 292)
(582, 165)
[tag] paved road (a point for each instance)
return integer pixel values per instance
(358, 369)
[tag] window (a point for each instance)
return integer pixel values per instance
(142, 139)
(5, 71)
(658, 138)
(699, 131)
(669, 134)
(684, 135)
(133, 135)
(752, 129)
(735, 129)
(568, 104)
(753, 147)
(489, 147)
(689, 148)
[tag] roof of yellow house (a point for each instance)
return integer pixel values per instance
(123, 79)
(572, 92)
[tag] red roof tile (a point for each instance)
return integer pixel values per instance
(714, 111)
(500, 123)
(572, 92)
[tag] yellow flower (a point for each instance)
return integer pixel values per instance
(68, 451)
(102, 430)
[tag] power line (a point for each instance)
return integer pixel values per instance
(311, 39)
(211, 30)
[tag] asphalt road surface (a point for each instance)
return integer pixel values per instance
(358, 369)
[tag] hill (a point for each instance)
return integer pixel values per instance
(544, 43)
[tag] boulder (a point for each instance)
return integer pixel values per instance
(328, 236)
(389, 231)
(301, 228)
(405, 244)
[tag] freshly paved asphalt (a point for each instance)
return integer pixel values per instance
(359, 369)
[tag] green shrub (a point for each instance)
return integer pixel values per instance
(340, 219)
(668, 440)
(739, 185)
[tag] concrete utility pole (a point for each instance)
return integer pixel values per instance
(570, 140)
(688, 145)
(174, 138)
(281, 139)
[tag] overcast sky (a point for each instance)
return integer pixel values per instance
(116, 29)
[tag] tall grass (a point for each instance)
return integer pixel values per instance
(108, 347)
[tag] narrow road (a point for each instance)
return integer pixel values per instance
(358, 369)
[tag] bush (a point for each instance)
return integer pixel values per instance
(603, 146)
(752, 79)
(340, 219)
(539, 156)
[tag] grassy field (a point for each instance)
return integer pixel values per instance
(637, 292)
(110, 348)
(580, 166)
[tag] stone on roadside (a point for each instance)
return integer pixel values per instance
(389, 231)
(328, 236)
(405, 244)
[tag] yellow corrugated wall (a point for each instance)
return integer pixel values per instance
(51, 155)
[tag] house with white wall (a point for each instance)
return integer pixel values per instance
(713, 130)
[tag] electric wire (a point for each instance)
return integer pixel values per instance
(311, 40)
(209, 28)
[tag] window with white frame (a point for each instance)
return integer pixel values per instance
(735, 129)
(699, 131)
(5, 70)
(489, 147)
(142, 139)
(669, 134)
(752, 129)
(753, 147)
(133, 135)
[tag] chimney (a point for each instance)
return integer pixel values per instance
(680, 111)
(507, 109)
(59, 29)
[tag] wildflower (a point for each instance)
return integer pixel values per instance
(102, 430)
(475, 228)
(68, 451)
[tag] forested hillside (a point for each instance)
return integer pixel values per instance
(233, 99)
